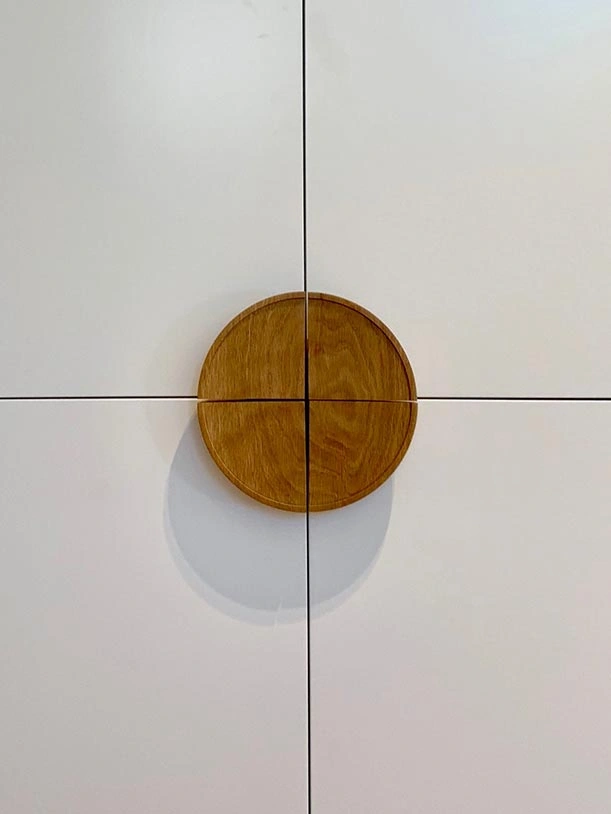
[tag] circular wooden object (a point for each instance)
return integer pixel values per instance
(357, 418)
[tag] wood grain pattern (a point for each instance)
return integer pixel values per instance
(260, 447)
(361, 402)
(354, 448)
(352, 355)
(260, 354)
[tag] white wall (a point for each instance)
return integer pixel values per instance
(459, 187)
(458, 184)
(152, 618)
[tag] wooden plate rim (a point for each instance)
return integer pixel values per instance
(411, 400)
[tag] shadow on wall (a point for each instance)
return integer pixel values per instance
(248, 560)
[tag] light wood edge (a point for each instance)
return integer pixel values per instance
(411, 381)
(409, 434)
(243, 487)
(289, 295)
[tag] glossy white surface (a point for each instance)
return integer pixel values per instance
(151, 185)
(459, 185)
(151, 621)
(470, 671)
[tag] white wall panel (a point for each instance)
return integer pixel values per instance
(151, 185)
(469, 673)
(459, 185)
(151, 620)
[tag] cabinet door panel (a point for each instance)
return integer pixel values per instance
(459, 186)
(151, 186)
(466, 668)
(152, 620)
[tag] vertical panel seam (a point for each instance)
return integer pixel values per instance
(307, 403)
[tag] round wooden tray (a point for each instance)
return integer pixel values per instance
(356, 419)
